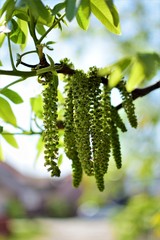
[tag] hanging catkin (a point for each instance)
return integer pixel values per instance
(50, 134)
(127, 103)
(96, 130)
(69, 135)
(81, 103)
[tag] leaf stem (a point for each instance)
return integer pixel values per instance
(10, 84)
(10, 53)
(49, 29)
(22, 133)
(23, 74)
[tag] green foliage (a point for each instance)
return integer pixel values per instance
(144, 67)
(139, 68)
(11, 95)
(106, 12)
(141, 219)
(10, 139)
(83, 14)
(6, 112)
(37, 106)
(17, 35)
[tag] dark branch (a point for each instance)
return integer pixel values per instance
(141, 92)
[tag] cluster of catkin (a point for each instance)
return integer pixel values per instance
(91, 125)
(91, 132)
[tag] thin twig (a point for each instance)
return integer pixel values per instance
(49, 29)
(10, 52)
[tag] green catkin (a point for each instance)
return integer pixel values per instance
(99, 154)
(50, 134)
(128, 104)
(81, 103)
(115, 143)
(69, 136)
(117, 119)
(107, 118)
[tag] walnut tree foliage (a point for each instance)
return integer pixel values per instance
(90, 124)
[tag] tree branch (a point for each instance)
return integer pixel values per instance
(141, 92)
(23, 74)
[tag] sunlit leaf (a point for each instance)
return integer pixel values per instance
(24, 27)
(6, 112)
(136, 76)
(113, 11)
(10, 139)
(39, 147)
(1, 153)
(145, 66)
(2, 37)
(105, 15)
(83, 14)
(8, 7)
(57, 8)
(123, 64)
(116, 71)
(60, 160)
(16, 35)
(37, 106)
(70, 9)
(12, 95)
(150, 62)
(115, 77)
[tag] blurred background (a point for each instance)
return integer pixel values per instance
(35, 206)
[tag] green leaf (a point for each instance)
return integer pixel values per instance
(40, 29)
(1, 129)
(1, 153)
(12, 95)
(6, 112)
(37, 106)
(116, 71)
(150, 62)
(70, 9)
(16, 35)
(136, 76)
(60, 160)
(0, 63)
(123, 64)
(115, 77)
(22, 14)
(39, 147)
(8, 7)
(83, 14)
(113, 11)
(24, 27)
(106, 15)
(10, 139)
(2, 37)
(37, 9)
(57, 8)
(145, 66)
